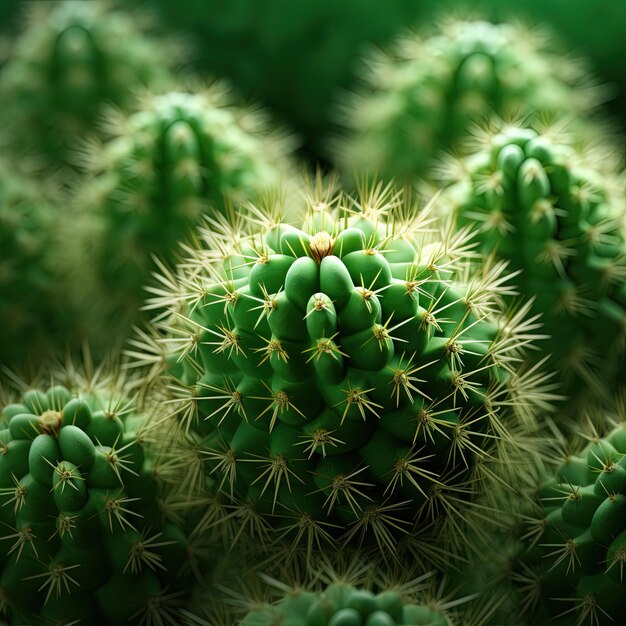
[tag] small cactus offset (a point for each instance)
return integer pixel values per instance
(351, 381)
(571, 568)
(557, 219)
(180, 156)
(84, 538)
(73, 58)
(422, 98)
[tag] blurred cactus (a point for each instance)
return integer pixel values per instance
(558, 219)
(72, 58)
(179, 157)
(292, 57)
(422, 98)
(351, 381)
(30, 290)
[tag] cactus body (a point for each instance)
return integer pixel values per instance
(573, 561)
(557, 220)
(422, 98)
(349, 378)
(73, 58)
(83, 539)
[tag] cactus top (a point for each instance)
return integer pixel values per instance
(343, 605)
(83, 539)
(352, 376)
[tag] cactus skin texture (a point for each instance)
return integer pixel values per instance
(573, 562)
(555, 217)
(83, 539)
(343, 605)
(29, 285)
(422, 98)
(349, 381)
(73, 58)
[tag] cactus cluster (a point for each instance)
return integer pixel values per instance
(83, 535)
(341, 604)
(575, 549)
(556, 217)
(73, 58)
(424, 96)
(352, 381)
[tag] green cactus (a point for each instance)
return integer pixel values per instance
(167, 165)
(351, 381)
(571, 567)
(341, 604)
(557, 219)
(423, 97)
(29, 284)
(84, 538)
(72, 58)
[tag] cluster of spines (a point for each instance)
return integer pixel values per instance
(213, 369)
(87, 532)
(424, 96)
(553, 214)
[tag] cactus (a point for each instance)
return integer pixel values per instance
(352, 381)
(571, 566)
(556, 217)
(178, 157)
(421, 98)
(84, 538)
(29, 284)
(72, 58)
(342, 604)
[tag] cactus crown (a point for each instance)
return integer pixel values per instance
(84, 538)
(352, 380)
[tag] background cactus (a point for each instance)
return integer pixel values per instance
(179, 157)
(558, 219)
(30, 286)
(72, 58)
(422, 97)
(84, 536)
(351, 381)
(571, 565)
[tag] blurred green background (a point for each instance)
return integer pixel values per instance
(294, 55)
